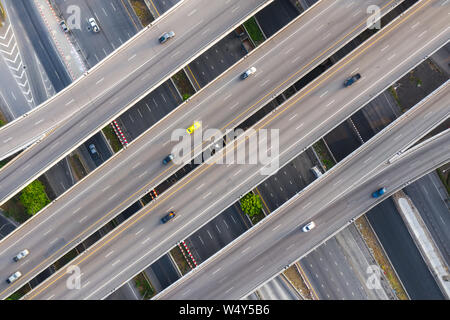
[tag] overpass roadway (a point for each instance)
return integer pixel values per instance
(53, 232)
(227, 274)
(112, 260)
(32, 163)
(126, 75)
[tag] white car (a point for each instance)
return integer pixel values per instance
(16, 275)
(308, 227)
(248, 73)
(22, 254)
(93, 25)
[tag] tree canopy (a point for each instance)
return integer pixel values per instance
(251, 204)
(34, 197)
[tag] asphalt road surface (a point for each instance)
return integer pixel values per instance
(278, 241)
(31, 21)
(403, 252)
(108, 263)
(431, 199)
(146, 162)
(148, 64)
(278, 289)
(112, 17)
(338, 269)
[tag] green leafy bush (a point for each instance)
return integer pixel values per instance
(34, 198)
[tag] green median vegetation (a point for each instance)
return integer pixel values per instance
(112, 138)
(324, 155)
(33, 197)
(254, 31)
(2, 14)
(142, 12)
(251, 204)
(143, 285)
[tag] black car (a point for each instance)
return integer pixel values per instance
(168, 217)
(167, 159)
(352, 80)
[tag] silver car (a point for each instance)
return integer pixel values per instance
(22, 254)
(16, 275)
(166, 36)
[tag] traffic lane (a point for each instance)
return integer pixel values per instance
(310, 130)
(217, 59)
(330, 274)
(228, 79)
(157, 142)
(132, 231)
(277, 289)
(342, 141)
(12, 101)
(217, 233)
(289, 180)
(81, 125)
(273, 250)
(101, 151)
(403, 253)
(164, 271)
(162, 6)
(143, 55)
(6, 226)
(149, 110)
(29, 59)
(39, 39)
(433, 209)
(275, 16)
(112, 18)
(125, 292)
(60, 178)
(376, 115)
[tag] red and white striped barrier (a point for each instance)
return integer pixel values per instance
(119, 133)
(181, 249)
(189, 252)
